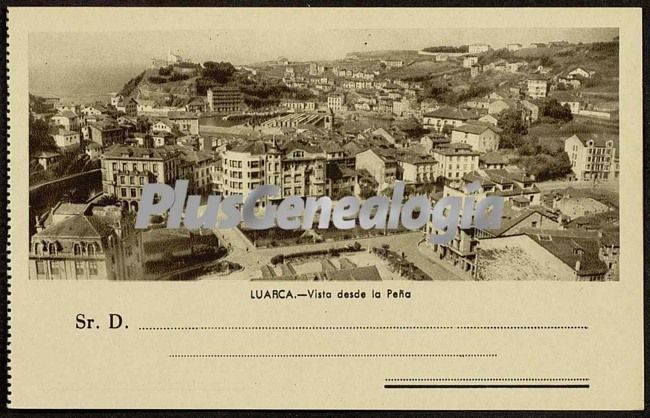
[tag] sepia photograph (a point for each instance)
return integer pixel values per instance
(528, 116)
(326, 208)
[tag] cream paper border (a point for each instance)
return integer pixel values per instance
(54, 365)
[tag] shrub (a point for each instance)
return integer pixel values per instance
(277, 259)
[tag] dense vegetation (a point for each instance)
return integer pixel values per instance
(39, 137)
(449, 49)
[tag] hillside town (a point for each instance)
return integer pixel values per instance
(536, 124)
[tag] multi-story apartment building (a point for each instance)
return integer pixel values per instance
(538, 86)
(381, 164)
(194, 166)
(455, 160)
(248, 166)
(336, 101)
(593, 157)
(483, 137)
(415, 168)
(67, 119)
(105, 133)
(85, 242)
(225, 99)
(125, 170)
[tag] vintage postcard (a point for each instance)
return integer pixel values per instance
(326, 208)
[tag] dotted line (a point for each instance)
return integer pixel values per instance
(526, 327)
(291, 328)
(326, 355)
(335, 328)
(491, 379)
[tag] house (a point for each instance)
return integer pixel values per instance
(432, 141)
(105, 133)
(538, 87)
(500, 105)
(541, 255)
(187, 122)
(446, 116)
(67, 119)
(93, 110)
(492, 160)
(93, 150)
(593, 157)
(415, 168)
(381, 165)
(99, 242)
(46, 159)
(567, 99)
(469, 61)
(129, 106)
(67, 140)
(581, 72)
(116, 99)
(530, 110)
(514, 47)
(483, 137)
(489, 119)
(195, 104)
(145, 106)
(455, 160)
(478, 48)
(567, 81)
(162, 125)
(336, 101)
(475, 70)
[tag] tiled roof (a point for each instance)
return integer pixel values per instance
(447, 112)
(357, 273)
(477, 128)
(493, 157)
(78, 226)
(571, 250)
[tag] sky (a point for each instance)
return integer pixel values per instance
(75, 60)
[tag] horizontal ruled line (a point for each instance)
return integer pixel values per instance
(359, 328)
(337, 355)
(488, 386)
(488, 379)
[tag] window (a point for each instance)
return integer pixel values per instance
(77, 249)
(123, 191)
(79, 268)
(91, 249)
(114, 166)
(134, 194)
(40, 267)
(135, 166)
(122, 179)
(54, 268)
(141, 180)
(92, 268)
(52, 249)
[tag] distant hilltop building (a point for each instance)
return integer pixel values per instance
(478, 48)
(170, 60)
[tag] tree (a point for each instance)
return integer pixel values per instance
(553, 109)
(513, 128)
(165, 71)
(39, 137)
(221, 72)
